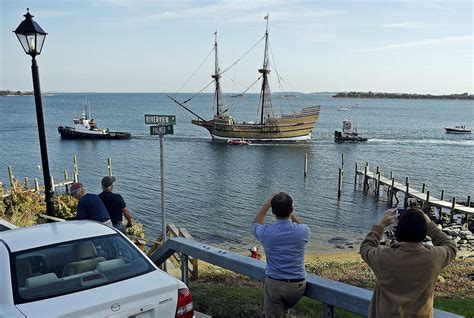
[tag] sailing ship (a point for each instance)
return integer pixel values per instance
(85, 127)
(295, 127)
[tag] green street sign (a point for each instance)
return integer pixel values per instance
(160, 119)
(162, 129)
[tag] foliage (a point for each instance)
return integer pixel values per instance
(136, 230)
(23, 204)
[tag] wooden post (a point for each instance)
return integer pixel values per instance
(453, 204)
(377, 189)
(10, 176)
(391, 174)
(423, 188)
(428, 196)
(66, 179)
(26, 182)
(342, 162)
(1, 196)
(442, 195)
(355, 176)
(109, 165)
(405, 203)
(468, 202)
(339, 185)
(365, 176)
(36, 184)
(53, 186)
(392, 189)
(75, 169)
(305, 164)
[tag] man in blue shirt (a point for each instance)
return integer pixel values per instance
(90, 206)
(284, 242)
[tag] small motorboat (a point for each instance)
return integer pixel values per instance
(348, 133)
(343, 109)
(238, 142)
(457, 130)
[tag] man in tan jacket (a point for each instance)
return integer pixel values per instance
(406, 273)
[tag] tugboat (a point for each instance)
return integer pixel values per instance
(86, 128)
(348, 134)
(457, 130)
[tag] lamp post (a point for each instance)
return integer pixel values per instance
(31, 37)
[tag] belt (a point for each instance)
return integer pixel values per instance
(296, 280)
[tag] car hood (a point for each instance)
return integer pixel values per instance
(152, 295)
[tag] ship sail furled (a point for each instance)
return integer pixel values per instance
(218, 97)
(265, 105)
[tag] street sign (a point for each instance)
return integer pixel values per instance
(162, 129)
(160, 119)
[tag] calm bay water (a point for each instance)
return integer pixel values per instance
(215, 190)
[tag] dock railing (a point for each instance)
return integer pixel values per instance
(331, 293)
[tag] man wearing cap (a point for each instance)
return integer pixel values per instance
(284, 242)
(115, 204)
(90, 207)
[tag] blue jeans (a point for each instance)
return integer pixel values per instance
(119, 226)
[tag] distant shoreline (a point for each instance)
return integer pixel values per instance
(401, 95)
(17, 93)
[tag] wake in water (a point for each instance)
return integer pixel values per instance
(464, 142)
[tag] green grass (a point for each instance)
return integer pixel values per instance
(224, 301)
(463, 307)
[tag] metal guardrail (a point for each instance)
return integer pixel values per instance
(331, 293)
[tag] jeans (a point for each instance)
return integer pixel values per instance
(119, 226)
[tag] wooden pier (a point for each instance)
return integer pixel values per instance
(394, 187)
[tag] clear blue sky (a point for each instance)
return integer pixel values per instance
(414, 46)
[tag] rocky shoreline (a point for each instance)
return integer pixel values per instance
(461, 233)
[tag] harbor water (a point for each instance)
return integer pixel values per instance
(214, 190)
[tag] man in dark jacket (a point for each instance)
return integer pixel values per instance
(89, 207)
(115, 204)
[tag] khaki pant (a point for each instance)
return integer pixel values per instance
(280, 296)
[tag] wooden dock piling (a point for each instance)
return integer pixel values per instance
(355, 175)
(10, 176)
(305, 164)
(407, 192)
(75, 169)
(109, 166)
(339, 185)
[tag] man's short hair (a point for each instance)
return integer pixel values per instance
(411, 226)
(282, 205)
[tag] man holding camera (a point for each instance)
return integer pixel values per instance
(284, 242)
(407, 272)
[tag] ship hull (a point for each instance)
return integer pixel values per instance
(71, 133)
(289, 128)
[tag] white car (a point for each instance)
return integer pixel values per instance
(83, 269)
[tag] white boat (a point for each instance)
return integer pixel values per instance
(348, 133)
(461, 129)
(343, 109)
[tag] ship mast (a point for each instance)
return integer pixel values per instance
(265, 93)
(216, 76)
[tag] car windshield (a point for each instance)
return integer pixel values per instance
(69, 267)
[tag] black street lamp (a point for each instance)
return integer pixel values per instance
(31, 37)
